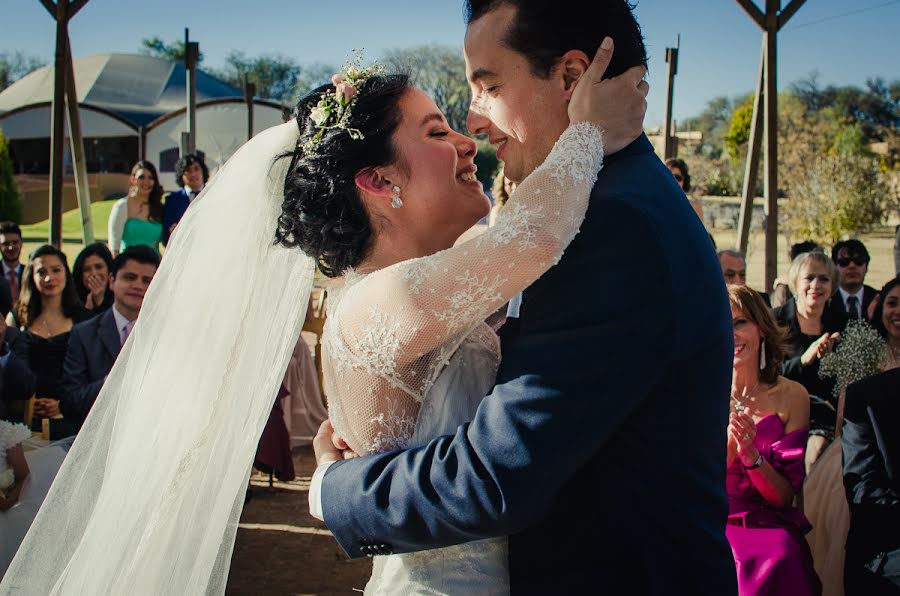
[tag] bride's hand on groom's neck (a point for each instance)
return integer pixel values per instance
(616, 105)
(329, 446)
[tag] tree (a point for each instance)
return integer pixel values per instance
(10, 205)
(14, 66)
(739, 131)
(440, 71)
(833, 196)
(275, 76)
(156, 47)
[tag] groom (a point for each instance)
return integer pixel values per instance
(601, 450)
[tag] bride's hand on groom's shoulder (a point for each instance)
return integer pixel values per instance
(616, 105)
(329, 446)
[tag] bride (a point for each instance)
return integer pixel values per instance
(371, 184)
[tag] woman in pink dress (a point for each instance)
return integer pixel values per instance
(766, 440)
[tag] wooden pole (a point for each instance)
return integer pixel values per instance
(771, 131)
(249, 94)
(56, 128)
(752, 169)
(76, 144)
(191, 55)
(672, 61)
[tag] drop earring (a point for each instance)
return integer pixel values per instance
(762, 354)
(396, 201)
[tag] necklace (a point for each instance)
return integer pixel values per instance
(740, 404)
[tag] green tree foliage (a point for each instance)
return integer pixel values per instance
(10, 205)
(487, 163)
(156, 47)
(440, 71)
(739, 131)
(14, 66)
(276, 77)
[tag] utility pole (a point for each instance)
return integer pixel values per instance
(669, 134)
(249, 94)
(191, 57)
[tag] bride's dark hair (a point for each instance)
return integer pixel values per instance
(322, 213)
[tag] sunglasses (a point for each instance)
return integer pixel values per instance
(845, 261)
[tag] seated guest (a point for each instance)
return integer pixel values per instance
(812, 331)
(47, 309)
(191, 174)
(886, 319)
(91, 276)
(682, 176)
(871, 448)
(734, 269)
(767, 433)
(16, 380)
(853, 296)
(137, 219)
(25, 478)
(781, 293)
(95, 344)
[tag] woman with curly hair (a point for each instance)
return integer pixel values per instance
(137, 219)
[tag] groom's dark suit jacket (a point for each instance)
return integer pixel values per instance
(601, 450)
(93, 348)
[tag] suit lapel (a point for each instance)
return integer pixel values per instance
(109, 335)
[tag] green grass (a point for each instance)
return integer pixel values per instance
(39, 232)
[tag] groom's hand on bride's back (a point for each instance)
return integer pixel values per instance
(329, 446)
(616, 105)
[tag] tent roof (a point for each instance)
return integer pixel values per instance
(139, 88)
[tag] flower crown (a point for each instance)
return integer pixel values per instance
(334, 108)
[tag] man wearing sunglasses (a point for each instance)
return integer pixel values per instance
(853, 296)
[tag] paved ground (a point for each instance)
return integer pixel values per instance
(281, 549)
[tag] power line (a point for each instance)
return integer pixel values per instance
(845, 14)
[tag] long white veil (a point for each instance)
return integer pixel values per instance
(148, 499)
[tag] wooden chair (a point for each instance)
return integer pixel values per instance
(315, 323)
(28, 418)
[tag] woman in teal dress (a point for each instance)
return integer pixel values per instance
(137, 219)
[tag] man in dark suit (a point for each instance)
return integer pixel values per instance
(734, 270)
(16, 379)
(191, 175)
(871, 447)
(94, 344)
(11, 247)
(853, 296)
(601, 450)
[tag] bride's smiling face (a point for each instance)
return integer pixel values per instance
(436, 174)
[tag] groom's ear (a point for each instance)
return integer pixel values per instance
(573, 65)
(372, 181)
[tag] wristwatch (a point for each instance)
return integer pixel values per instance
(759, 461)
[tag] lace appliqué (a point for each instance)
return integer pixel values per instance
(417, 273)
(518, 223)
(467, 302)
(581, 157)
(397, 429)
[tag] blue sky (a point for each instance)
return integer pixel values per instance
(719, 43)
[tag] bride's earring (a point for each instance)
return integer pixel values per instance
(762, 354)
(396, 201)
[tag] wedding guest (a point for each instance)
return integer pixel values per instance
(25, 478)
(91, 275)
(682, 176)
(11, 247)
(871, 450)
(501, 189)
(273, 453)
(781, 292)
(734, 269)
(16, 380)
(767, 434)
(812, 332)
(47, 309)
(191, 175)
(853, 296)
(886, 319)
(95, 344)
(137, 219)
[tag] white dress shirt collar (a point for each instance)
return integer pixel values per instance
(121, 322)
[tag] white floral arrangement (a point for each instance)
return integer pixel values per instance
(7, 479)
(334, 108)
(859, 353)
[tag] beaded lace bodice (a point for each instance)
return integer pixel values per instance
(391, 333)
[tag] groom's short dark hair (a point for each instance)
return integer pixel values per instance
(544, 30)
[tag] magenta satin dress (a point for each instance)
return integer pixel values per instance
(770, 552)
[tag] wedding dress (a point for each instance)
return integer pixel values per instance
(407, 356)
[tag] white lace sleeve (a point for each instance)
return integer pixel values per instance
(118, 215)
(392, 332)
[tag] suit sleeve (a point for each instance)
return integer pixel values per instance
(18, 380)
(553, 407)
(865, 475)
(78, 390)
(168, 218)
